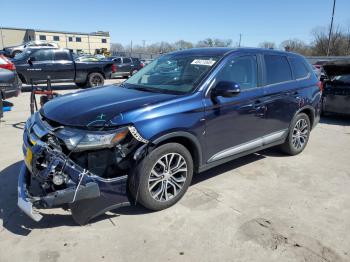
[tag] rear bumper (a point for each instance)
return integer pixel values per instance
(339, 104)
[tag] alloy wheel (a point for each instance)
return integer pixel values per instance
(167, 177)
(96, 81)
(300, 134)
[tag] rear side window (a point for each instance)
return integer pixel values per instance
(299, 67)
(277, 69)
(61, 56)
(126, 60)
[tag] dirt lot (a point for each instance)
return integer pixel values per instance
(263, 207)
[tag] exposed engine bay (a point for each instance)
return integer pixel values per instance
(86, 169)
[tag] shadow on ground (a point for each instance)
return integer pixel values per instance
(15, 221)
(56, 87)
(339, 120)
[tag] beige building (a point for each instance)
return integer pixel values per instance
(78, 42)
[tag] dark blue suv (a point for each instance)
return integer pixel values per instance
(184, 113)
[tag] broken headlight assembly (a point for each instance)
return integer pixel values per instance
(80, 140)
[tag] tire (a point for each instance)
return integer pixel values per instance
(298, 135)
(81, 85)
(16, 53)
(95, 79)
(151, 194)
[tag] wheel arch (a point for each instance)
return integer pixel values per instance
(188, 140)
(310, 112)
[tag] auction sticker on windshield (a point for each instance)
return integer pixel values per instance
(203, 62)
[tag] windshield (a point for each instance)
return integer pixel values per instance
(176, 74)
(22, 55)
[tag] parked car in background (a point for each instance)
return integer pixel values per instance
(125, 66)
(87, 58)
(142, 141)
(10, 86)
(145, 62)
(37, 65)
(5, 63)
(12, 51)
(336, 94)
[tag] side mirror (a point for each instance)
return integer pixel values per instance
(30, 60)
(226, 89)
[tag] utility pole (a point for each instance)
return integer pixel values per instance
(144, 44)
(131, 48)
(330, 29)
(240, 40)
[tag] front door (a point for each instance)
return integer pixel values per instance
(40, 67)
(235, 124)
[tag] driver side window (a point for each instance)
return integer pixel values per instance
(241, 70)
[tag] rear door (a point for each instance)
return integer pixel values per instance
(281, 93)
(63, 66)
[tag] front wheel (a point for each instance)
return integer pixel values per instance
(298, 135)
(162, 177)
(95, 79)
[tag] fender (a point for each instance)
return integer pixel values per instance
(182, 134)
(308, 107)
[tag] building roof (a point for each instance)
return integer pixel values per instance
(98, 33)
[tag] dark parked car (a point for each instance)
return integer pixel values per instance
(142, 141)
(125, 66)
(336, 94)
(10, 86)
(59, 65)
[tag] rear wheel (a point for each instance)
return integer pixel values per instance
(298, 135)
(95, 79)
(162, 177)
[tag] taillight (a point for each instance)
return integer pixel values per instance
(320, 85)
(8, 64)
(114, 68)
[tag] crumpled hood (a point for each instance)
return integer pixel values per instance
(336, 68)
(97, 106)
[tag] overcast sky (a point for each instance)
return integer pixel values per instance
(191, 20)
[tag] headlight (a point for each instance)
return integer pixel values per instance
(78, 140)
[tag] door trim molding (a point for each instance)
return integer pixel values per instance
(259, 142)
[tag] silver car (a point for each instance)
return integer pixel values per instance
(12, 51)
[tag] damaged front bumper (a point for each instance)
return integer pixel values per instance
(86, 194)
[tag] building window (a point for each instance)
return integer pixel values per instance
(104, 40)
(70, 39)
(56, 38)
(78, 39)
(42, 37)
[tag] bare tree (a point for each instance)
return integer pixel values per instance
(339, 41)
(182, 44)
(267, 44)
(296, 45)
(117, 47)
(214, 42)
